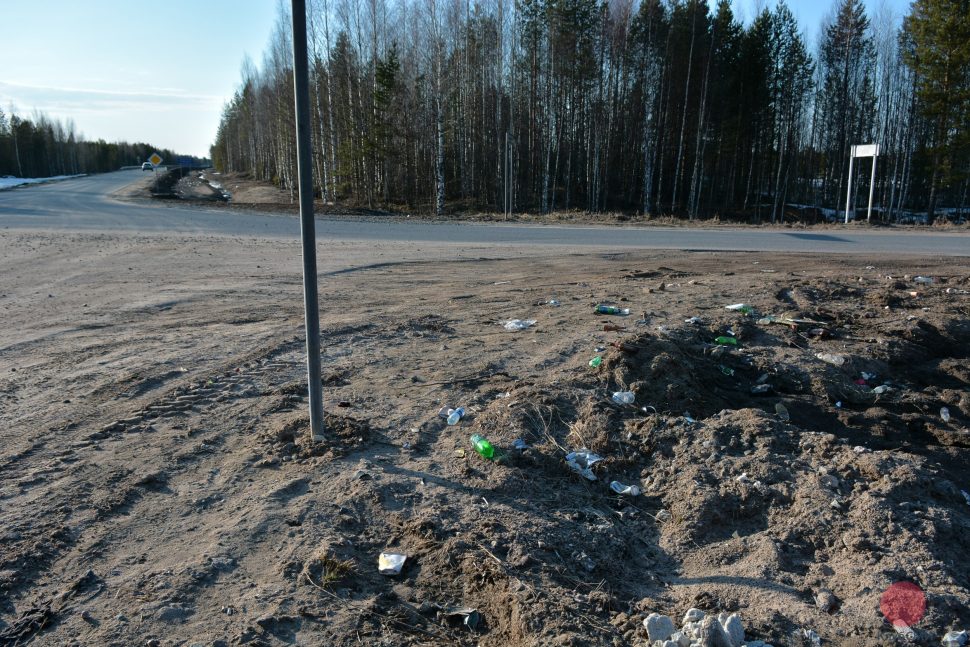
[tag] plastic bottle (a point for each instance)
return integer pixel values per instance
(743, 308)
(726, 341)
(482, 446)
(830, 358)
(611, 310)
(945, 414)
(624, 397)
(596, 361)
(456, 415)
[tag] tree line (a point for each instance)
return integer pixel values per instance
(45, 147)
(648, 106)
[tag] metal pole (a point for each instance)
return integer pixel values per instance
(505, 206)
(848, 194)
(307, 226)
(872, 185)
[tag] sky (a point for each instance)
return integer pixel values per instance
(157, 72)
(811, 13)
(161, 72)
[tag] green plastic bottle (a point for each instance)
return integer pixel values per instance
(726, 341)
(482, 446)
(611, 310)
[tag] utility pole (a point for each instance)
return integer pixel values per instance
(307, 225)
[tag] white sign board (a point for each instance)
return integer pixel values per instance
(865, 150)
(862, 150)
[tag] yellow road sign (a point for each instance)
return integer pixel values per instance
(155, 159)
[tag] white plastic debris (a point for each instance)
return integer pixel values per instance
(624, 397)
(629, 490)
(693, 320)
(945, 414)
(831, 358)
(925, 280)
(519, 324)
(904, 630)
(954, 639)
(390, 563)
(733, 628)
(582, 462)
(713, 633)
(658, 627)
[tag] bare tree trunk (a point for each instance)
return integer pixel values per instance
(683, 119)
(439, 167)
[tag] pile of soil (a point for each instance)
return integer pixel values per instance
(169, 493)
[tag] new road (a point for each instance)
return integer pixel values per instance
(85, 204)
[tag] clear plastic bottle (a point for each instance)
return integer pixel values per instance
(945, 414)
(456, 415)
(482, 446)
(830, 358)
(624, 397)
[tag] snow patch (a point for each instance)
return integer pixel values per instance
(11, 182)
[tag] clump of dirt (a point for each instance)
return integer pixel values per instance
(289, 436)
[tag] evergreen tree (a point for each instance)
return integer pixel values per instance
(847, 108)
(939, 31)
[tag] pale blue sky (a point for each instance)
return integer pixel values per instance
(811, 13)
(153, 71)
(161, 71)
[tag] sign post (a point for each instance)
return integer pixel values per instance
(155, 159)
(862, 150)
(307, 225)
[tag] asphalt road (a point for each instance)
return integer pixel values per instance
(84, 204)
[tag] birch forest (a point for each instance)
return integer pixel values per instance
(40, 146)
(655, 107)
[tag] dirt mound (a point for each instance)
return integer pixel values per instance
(159, 485)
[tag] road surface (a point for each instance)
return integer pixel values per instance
(84, 204)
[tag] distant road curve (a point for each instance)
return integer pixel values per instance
(84, 204)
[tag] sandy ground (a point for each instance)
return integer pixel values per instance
(157, 486)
